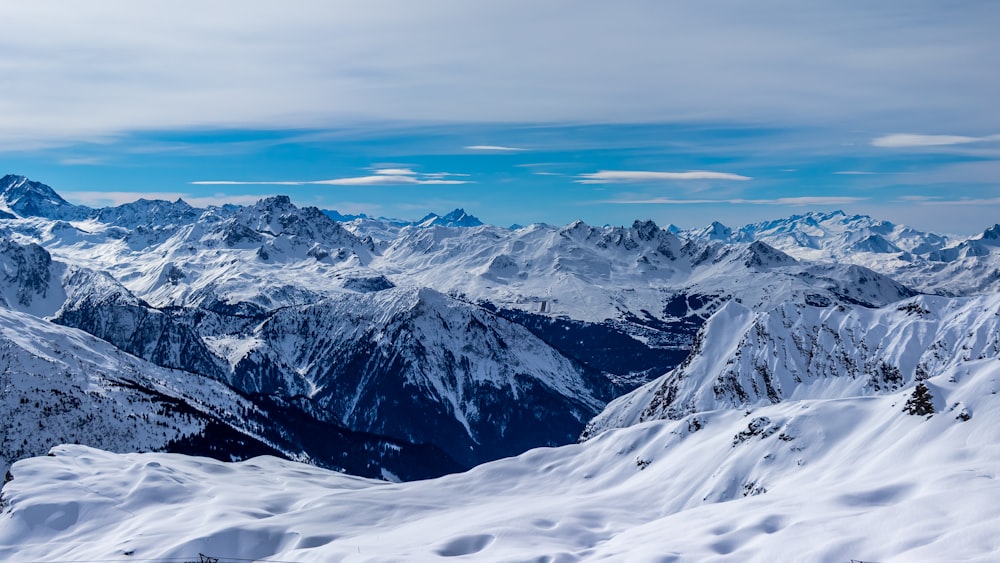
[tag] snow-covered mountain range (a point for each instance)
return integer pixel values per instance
(748, 389)
(478, 340)
(927, 262)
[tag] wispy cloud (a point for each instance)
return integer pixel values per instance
(383, 177)
(854, 173)
(804, 200)
(910, 140)
(445, 175)
(962, 201)
(792, 201)
(386, 180)
(632, 176)
(82, 161)
(243, 183)
(494, 148)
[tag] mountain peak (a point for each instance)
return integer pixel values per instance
(456, 218)
(762, 255)
(342, 218)
(157, 212)
(991, 235)
(274, 202)
(35, 199)
(715, 231)
(645, 230)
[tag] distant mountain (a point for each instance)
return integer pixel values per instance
(831, 235)
(716, 231)
(927, 262)
(149, 214)
(28, 198)
(336, 216)
(456, 218)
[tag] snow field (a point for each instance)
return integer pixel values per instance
(817, 480)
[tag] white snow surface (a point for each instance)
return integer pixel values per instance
(61, 384)
(823, 480)
(275, 255)
(925, 261)
(743, 358)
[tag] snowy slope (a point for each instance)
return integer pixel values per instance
(454, 218)
(271, 254)
(26, 198)
(820, 480)
(600, 273)
(63, 385)
(821, 236)
(29, 280)
(422, 367)
(928, 262)
(745, 358)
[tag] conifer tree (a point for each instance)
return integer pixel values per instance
(920, 402)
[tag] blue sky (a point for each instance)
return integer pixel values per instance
(517, 111)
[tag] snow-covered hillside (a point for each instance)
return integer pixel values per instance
(810, 480)
(744, 358)
(821, 236)
(22, 197)
(928, 262)
(61, 385)
(422, 367)
(599, 273)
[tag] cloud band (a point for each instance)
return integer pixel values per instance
(634, 176)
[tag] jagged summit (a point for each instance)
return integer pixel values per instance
(29, 198)
(991, 235)
(342, 218)
(877, 244)
(763, 255)
(715, 231)
(456, 218)
(149, 212)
